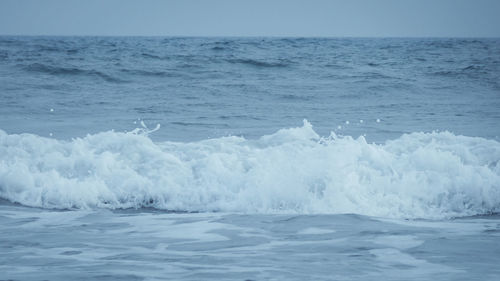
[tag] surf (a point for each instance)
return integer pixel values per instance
(293, 171)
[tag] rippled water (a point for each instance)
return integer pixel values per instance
(137, 158)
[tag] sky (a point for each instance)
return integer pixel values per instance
(297, 18)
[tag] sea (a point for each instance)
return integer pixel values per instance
(249, 158)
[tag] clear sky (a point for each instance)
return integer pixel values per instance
(365, 18)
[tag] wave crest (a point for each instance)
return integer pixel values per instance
(419, 175)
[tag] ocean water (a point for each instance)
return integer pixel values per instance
(162, 158)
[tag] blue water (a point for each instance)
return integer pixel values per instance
(162, 158)
(199, 88)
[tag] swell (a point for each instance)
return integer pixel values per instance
(260, 63)
(70, 71)
(419, 175)
(468, 71)
(149, 73)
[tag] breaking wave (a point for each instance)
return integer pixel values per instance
(419, 175)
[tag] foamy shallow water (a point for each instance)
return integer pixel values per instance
(40, 244)
(276, 208)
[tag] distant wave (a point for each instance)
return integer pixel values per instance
(470, 71)
(419, 175)
(59, 70)
(151, 56)
(219, 45)
(151, 73)
(472, 67)
(260, 63)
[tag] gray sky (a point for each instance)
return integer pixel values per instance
(443, 18)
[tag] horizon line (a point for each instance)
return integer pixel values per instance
(253, 36)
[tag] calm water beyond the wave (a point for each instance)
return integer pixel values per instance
(137, 158)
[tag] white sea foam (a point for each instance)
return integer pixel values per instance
(419, 175)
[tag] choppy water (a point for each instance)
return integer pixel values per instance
(274, 158)
(212, 87)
